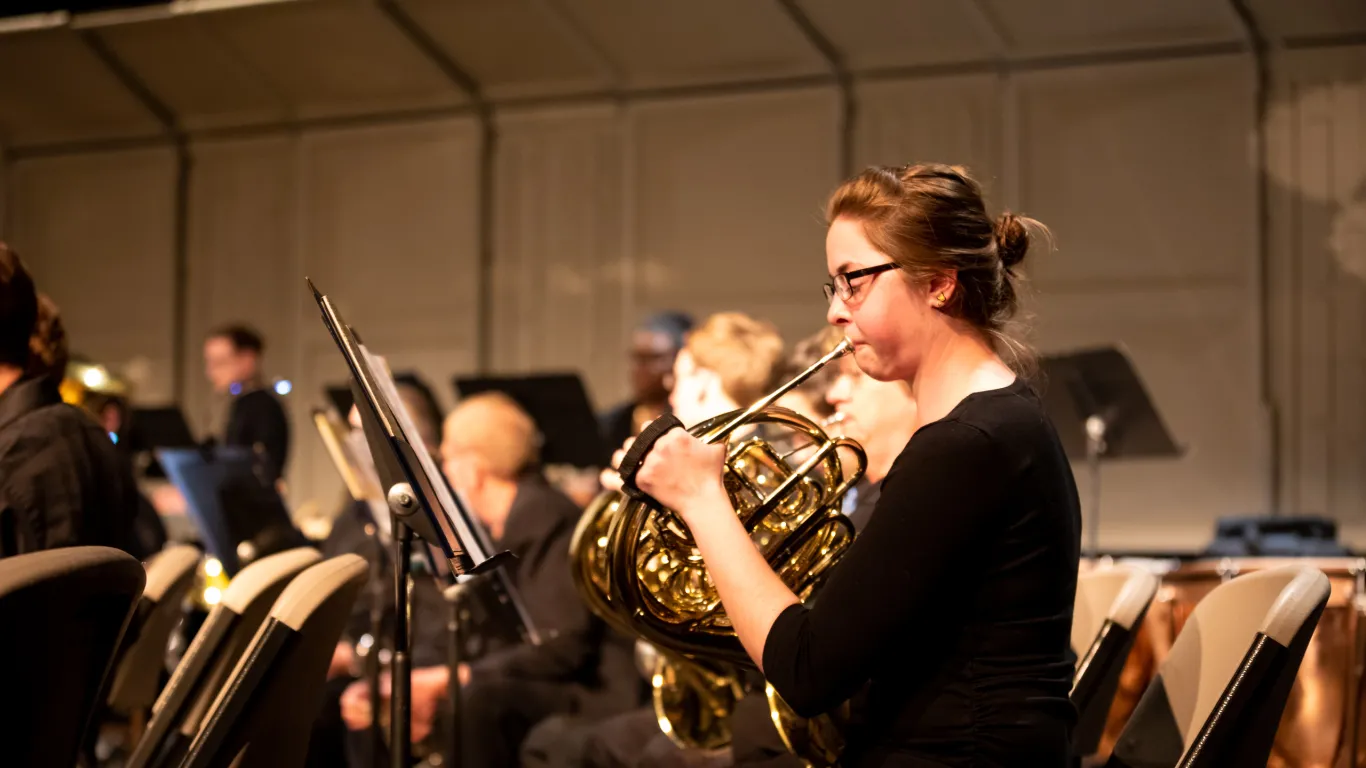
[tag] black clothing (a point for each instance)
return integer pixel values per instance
(62, 481)
(577, 668)
(617, 424)
(257, 421)
(863, 498)
(428, 607)
(537, 532)
(948, 621)
(634, 740)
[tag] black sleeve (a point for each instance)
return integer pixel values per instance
(939, 497)
(258, 419)
(568, 637)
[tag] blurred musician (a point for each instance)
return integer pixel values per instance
(232, 363)
(880, 416)
(489, 453)
(728, 361)
(654, 343)
(946, 624)
(62, 482)
(362, 528)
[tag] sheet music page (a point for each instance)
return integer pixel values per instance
(468, 541)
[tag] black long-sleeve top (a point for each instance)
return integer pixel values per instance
(62, 481)
(537, 532)
(947, 623)
(258, 421)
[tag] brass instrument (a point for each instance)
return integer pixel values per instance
(638, 568)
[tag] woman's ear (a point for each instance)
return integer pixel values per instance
(941, 289)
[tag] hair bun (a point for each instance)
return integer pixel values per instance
(1012, 239)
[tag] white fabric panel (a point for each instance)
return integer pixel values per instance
(97, 231)
(243, 263)
(955, 120)
(1143, 174)
(1317, 168)
(729, 197)
(388, 230)
(560, 293)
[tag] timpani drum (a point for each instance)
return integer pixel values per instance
(1323, 721)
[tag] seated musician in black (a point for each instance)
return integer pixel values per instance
(257, 420)
(62, 481)
(489, 453)
(946, 625)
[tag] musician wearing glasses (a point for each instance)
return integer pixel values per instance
(946, 624)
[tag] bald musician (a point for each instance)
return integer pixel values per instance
(62, 481)
(489, 453)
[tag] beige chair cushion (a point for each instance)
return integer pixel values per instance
(1119, 593)
(1223, 627)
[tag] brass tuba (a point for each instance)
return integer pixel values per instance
(638, 568)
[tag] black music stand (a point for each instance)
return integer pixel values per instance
(420, 502)
(558, 403)
(1102, 413)
(229, 503)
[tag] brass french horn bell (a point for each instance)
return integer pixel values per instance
(792, 512)
(637, 567)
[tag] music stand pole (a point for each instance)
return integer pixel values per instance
(372, 663)
(1095, 448)
(455, 745)
(400, 668)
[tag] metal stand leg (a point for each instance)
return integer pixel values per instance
(372, 662)
(454, 619)
(401, 712)
(1095, 447)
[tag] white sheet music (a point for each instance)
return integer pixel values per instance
(452, 524)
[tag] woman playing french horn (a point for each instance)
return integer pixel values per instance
(946, 623)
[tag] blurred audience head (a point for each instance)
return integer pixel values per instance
(232, 357)
(18, 310)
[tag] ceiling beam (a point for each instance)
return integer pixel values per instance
(838, 65)
(180, 236)
(588, 46)
(483, 108)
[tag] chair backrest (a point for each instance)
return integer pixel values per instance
(264, 712)
(170, 574)
(1109, 608)
(225, 634)
(64, 612)
(1219, 696)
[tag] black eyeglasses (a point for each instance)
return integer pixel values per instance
(839, 285)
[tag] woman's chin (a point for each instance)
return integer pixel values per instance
(874, 366)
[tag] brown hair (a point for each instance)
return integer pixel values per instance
(243, 338)
(931, 220)
(48, 353)
(18, 309)
(745, 353)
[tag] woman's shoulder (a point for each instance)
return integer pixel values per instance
(996, 422)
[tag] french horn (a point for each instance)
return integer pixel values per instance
(638, 568)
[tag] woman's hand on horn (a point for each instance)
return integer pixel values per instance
(684, 474)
